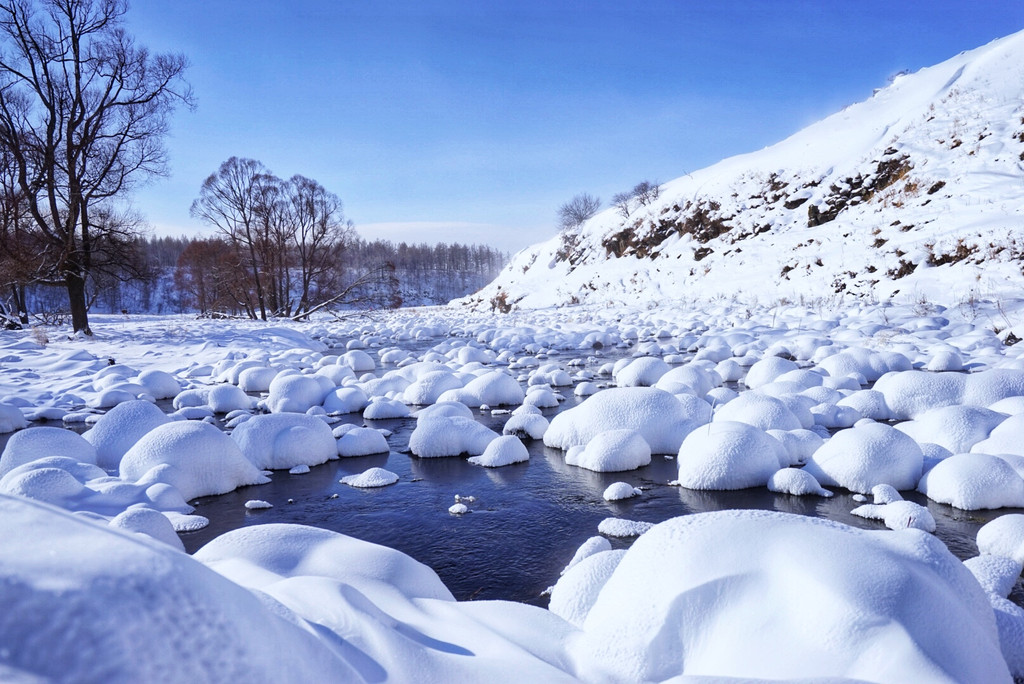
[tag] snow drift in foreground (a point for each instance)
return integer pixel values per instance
(773, 595)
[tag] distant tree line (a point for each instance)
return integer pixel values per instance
(182, 275)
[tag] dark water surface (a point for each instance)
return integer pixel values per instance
(528, 518)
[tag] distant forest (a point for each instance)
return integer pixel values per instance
(182, 275)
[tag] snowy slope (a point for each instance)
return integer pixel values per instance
(917, 192)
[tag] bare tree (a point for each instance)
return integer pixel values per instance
(643, 193)
(83, 114)
(623, 201)
(576, 211)
(320, 236)
(234, 201)
(646, 192)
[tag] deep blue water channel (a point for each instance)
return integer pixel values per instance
(527, 520)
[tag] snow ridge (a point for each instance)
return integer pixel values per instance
(912, 194)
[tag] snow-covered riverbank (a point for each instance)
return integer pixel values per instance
(867, 399)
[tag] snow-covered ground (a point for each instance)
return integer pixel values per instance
(868, 398)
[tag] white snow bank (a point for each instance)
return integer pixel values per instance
(39, 442)
(898, 515)
(1005, 438)
(502, 451)
(869, 454)
(575, 592)
(362, 441)
(611, 451)
(796, 482)
(194, 457)
(729, 455)
(526, 426)
(956, 428)
(70, 616)
(778, 596)
(11, 418)
(657, 415)
(294, 393)
(120, 428)
(279, 441)
(148, 521)
(1003, 536)
(761, 411)
(642, 372)
(493, 388)
(345, 400)
(439, 435)
(912, 393)
(974, 481)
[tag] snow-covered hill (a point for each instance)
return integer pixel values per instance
(917, 192)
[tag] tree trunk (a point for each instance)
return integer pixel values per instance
(76, 300)
(19, 303)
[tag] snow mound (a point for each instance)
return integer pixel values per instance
(1005, 438)
(426, 389)
(280, 441)
(438, 435)
(159, 384)
(526, 426)
(617, 491)
(493, 388)
(642, 372)
(228, 398)
(148, 521)
(362, 441)
(761, 411)
(194, 457)
(898, 515)
(372, 477)
(180, 622)
(259, 555)
(595, 544)
(912, 393)
(346, 400)
(974, 481)
(120, 428)
(503, 451)
(661, 419)
(11, 418)
(799, 444)
(29, 445)
(580, 585)
(383, 409)
(611, 451)
(1004, 536)
(618, 527)
(956, 428)
(729, 455)
(796, 482)
(996, 574)
(780, 596)
(767, 370)
(863, 456)
(294, 393)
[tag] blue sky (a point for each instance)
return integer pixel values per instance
(474, 120)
